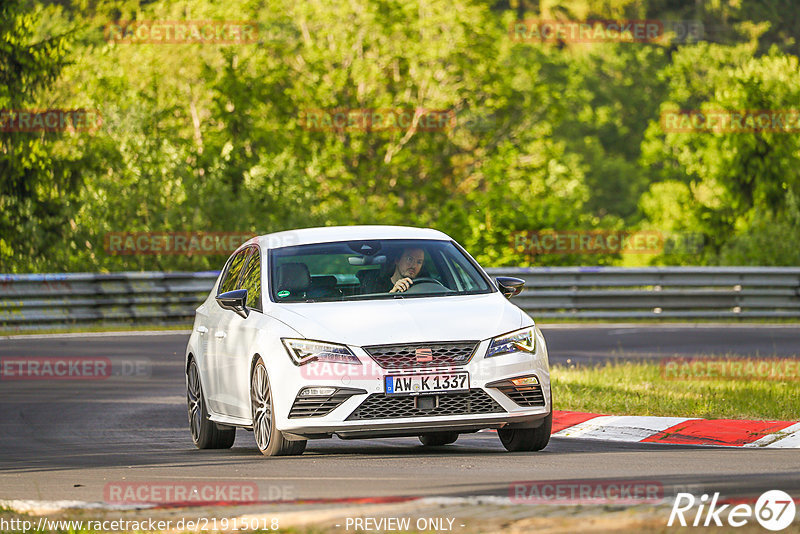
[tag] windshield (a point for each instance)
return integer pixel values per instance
(359, 270)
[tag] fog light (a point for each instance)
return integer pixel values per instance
(317, 392)
(526, 381)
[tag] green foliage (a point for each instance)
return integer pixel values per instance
(770, 239)
(211, 137)
(736, 182)
(36, 189)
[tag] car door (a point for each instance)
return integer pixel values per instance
(236, 348)
(218, 332)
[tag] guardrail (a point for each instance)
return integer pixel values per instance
(37, 301)
(656, 292)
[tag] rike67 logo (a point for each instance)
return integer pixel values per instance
(774, 510)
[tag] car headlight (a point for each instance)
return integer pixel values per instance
(303, 351)
(523, 340)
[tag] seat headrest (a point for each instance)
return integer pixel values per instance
(293, 277)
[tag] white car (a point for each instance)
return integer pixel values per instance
(361, 332)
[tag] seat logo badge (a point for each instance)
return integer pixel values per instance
(424, 355)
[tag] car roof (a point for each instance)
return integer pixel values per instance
(329, 234)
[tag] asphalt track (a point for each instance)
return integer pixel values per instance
(69, 439)
(602, 342)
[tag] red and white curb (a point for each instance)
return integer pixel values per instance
(677, 430)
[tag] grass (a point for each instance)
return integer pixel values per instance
(638, 388)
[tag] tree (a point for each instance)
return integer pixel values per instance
(740, 178)
(36, 183)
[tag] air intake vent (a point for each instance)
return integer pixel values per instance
(527, 395)
(320, 405)
(380, 406)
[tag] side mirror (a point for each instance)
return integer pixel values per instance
(235, 301)
(510, 286)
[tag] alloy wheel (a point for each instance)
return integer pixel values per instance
(194, 398)
(262, 407)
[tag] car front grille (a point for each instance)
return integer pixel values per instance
(524, 395)
(380, 406)
(320, 405)
(405, 356)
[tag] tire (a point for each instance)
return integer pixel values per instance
(206, 434)
(269, 439)
(527, 439)
(436, 439)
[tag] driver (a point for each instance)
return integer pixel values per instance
(406, 268)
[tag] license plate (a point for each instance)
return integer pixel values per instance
(433, 383)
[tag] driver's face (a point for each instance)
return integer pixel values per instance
(410, 262)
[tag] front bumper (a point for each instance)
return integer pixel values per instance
(369, 379)
(395, 429)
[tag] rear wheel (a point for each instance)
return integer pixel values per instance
(206, 434)
(527, 439)
(435, 439)
(270, 440)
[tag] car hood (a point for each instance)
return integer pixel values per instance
(409, 320)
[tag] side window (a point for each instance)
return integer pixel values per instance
(234, 269)
(465, 279)
(252, 281)
(455, 271)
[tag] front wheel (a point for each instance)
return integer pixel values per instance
(270, 440)
(527, 439)
(206, 434)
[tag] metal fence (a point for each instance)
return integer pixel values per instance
(655, 292)
(38, 301)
